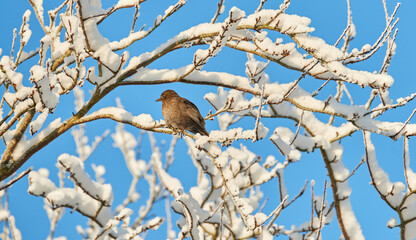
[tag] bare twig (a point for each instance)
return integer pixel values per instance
(297, 129)
(276, 212)
(219, 11)
(354, 170)
(390, 106)
(398, 134)
(316, 92)
(260, 5)
(13, 43)
(21, 175)
(256, 128)
(321, 214)
(348, 33)
(135, 17)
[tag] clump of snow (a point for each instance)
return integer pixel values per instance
(227, 137)
(26, 144)
(173, 184)
(380, 178)
(409, 173)
(361, 78)
(318, 46)
(46, 95)
(289, 24)
(39, 184)
(143, 120)
(255, 71)
(283, 138)
(91, 8)
(228, 27)
(127, 3)
(366, 48)
(194, 214)
(74, 165)
(73, 29)
(25, 32)
(392, 223)
(37, 124)
(127, 143)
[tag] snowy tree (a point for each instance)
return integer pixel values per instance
(329, 100)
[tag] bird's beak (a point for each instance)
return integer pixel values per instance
(158, 100)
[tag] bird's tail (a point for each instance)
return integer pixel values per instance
(202, 131)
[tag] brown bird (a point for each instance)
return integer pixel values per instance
(181, 114)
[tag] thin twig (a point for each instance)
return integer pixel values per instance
(353, 171)
(386, 13)
(218, 12)
(406, 161)
(404, 125)
(348, 36)
(135, 17)
(298, 128)
(342, 35)
(321, 214)
(312, 198)
(221, 223)
(256, 128)
(22, 174)
(13, 43)
(390, 52)
(260, 5)
(276, 211)
(314, 93)
(295, 84)
(215, 211)
(392, 106)
(379, 42)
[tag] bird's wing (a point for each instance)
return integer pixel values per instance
(192, 111)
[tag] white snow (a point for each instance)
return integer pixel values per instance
(228, 27)
(126, 3)
(392, 191)
(74, 165)
(391, 223)
(24, 144)
(85, 204)
(142, 121)
(409, 173)
(46, 95)
(349, 221)
(290, 24)
(25, 32)
(255, 71)
(172, 184)
(40, 185)
(37, 124)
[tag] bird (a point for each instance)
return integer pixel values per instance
(181, 114)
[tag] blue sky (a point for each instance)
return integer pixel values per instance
(329, 20)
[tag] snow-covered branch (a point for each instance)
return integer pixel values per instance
(250, 145)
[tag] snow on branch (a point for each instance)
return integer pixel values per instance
(339, 174)
(172, 184)
(394, 194)
(283, 138)
(228, 199)
(391, 191)
(75, 167)
(89, 198)
(143, 121)
(67, 197)
(408, 172)
(136, 36)
(230, 24)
